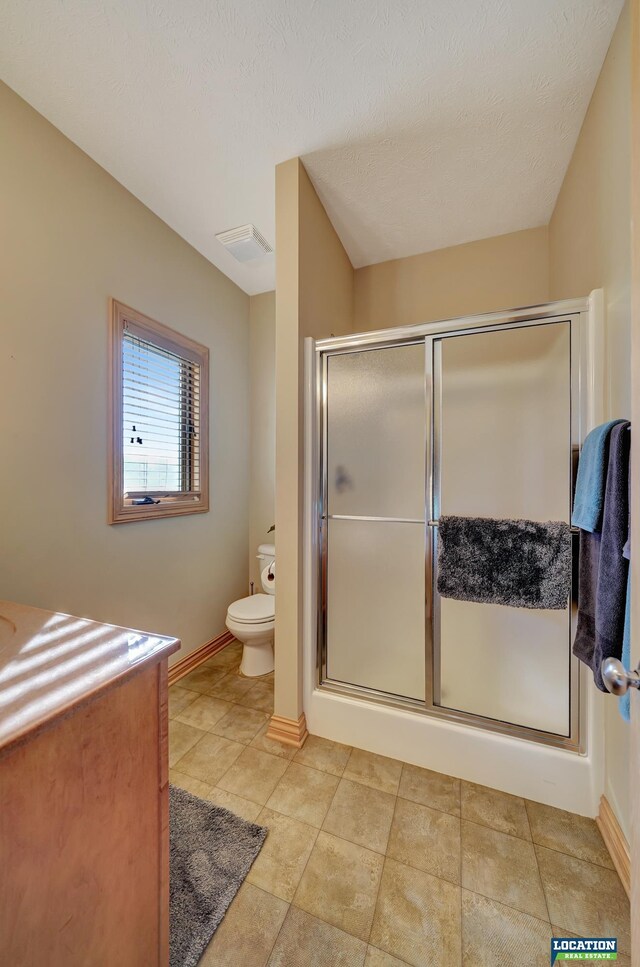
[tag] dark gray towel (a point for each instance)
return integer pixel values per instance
(518, 563)
(585, 640)
(626, 550)
(613, 567)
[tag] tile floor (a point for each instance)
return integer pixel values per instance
(370, 862)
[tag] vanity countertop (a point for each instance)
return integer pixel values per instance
(50, 663)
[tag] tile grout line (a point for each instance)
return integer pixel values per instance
(226, 712)
(220, 778)
(580, 859)
(266, 893)
(435, 876)
(318, 831)
(508, 906)
(542, 884)
(532, 842)
(461, 883)
(537, 866)
(315, 916)
(280, 778)
(384, 863)
(284, 920)
(494, 829)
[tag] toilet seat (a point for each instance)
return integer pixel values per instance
(256, 609)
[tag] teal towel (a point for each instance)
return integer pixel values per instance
(624, 702)
(592, 470)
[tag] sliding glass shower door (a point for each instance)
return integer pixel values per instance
(467, 421)
(375, 532)
(503, 450)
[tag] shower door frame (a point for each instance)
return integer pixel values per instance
(584, 383)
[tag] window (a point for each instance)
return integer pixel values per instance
(159, 420)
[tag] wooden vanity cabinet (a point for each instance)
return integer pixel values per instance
(84, 845)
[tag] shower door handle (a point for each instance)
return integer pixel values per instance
(616, 677)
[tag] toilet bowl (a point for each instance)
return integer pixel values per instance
(252, 620)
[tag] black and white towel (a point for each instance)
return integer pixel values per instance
(518, 563)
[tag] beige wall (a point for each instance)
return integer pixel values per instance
(288, 694)
(589, 232)
(589, 239)
(635, 464)
(326, 278)
(493, 273)
(314, 297)
(70, 237)
(262, 340)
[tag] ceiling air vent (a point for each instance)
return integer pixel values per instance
(245, 243)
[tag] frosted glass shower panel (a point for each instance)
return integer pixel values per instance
(505, 452)
(375, 465)
(376, 432)
(505, 423)
(376, 609)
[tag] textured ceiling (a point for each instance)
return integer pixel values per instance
(423, 123)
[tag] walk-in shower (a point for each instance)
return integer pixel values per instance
(475, 417)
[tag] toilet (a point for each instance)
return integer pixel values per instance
(252, 620)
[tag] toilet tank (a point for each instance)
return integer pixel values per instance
(267, 558)
(267, 553)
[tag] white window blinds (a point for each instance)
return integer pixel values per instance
(160, 420)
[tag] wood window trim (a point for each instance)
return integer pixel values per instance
(118, 511)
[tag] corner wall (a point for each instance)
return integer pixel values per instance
(70, 237)
(314, 297)
(590, 247)
(262, 362)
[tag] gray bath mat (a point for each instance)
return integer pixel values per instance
(520, 563)
(211, 853)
